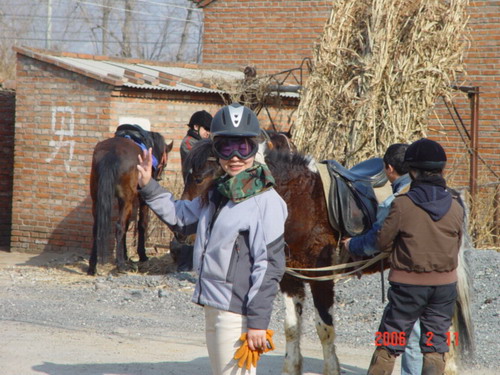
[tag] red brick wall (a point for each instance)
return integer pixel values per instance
(59, 118)
(7, 113)
(272, 35)
(483, 70)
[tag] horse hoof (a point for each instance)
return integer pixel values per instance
(128, 267)
(184, 268)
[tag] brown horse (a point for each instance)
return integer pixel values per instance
(311, 242)
(114, 175)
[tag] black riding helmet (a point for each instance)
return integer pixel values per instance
(235, 120)
(426, 154)
(234, 131)
(201, 118)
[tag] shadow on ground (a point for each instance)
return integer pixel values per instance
(269, 365)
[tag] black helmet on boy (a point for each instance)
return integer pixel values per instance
(234, 128)
(426, 154)
(201, 118)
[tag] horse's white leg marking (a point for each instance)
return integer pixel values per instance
(326, 333)
(293, 329)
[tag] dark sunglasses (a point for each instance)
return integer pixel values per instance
(226, 148)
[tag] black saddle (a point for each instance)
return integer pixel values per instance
(353, 203)
(136, 133)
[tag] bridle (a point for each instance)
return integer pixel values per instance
(161, 165)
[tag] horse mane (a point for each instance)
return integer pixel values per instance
(285, 165)
(198, 155)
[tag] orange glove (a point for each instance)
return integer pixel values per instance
(246, 356)
(270, 344)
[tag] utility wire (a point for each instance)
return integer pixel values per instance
(170, 4)
(131, 11)
(27, 17)
(92, 41)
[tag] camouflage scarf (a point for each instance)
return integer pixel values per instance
(246, 184)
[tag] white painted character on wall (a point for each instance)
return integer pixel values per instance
(62, 125)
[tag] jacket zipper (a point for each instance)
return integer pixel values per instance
(219, 204)
(235, 254)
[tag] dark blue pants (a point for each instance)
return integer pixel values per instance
(433, 305)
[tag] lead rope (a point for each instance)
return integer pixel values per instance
(382, 279)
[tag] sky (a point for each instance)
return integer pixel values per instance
(155, 30)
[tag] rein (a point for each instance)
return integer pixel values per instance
(335, 276)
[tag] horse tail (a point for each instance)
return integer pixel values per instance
(463, 315)
(107, 170)
(462, 330)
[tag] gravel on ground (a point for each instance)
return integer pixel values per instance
(53, 290)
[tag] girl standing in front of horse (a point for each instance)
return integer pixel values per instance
(239, 250)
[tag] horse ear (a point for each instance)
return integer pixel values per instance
(168, 146)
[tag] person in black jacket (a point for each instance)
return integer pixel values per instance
(422, 233)
(199, 128)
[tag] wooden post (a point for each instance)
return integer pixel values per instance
(474, 103)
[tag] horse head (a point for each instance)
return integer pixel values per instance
(161, 149)
(271, 140)
(203, 168)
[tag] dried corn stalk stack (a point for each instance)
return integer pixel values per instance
(378, 70)
(252, 92)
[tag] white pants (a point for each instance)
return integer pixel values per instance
(223, 330)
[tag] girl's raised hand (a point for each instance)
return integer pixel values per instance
(145, 167)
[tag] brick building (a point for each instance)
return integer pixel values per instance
(273, 35)
(64, 106)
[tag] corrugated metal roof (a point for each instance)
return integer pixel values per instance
(140, 74)
(152, 77)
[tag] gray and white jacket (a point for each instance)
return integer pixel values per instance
(240, 259)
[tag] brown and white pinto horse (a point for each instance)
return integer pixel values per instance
(310, 243)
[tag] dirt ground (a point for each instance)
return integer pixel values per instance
(39, 347)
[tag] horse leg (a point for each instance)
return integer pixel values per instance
(294, 296)
(142, 227)
(93, 255)
(125, 212)
(322, 292)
